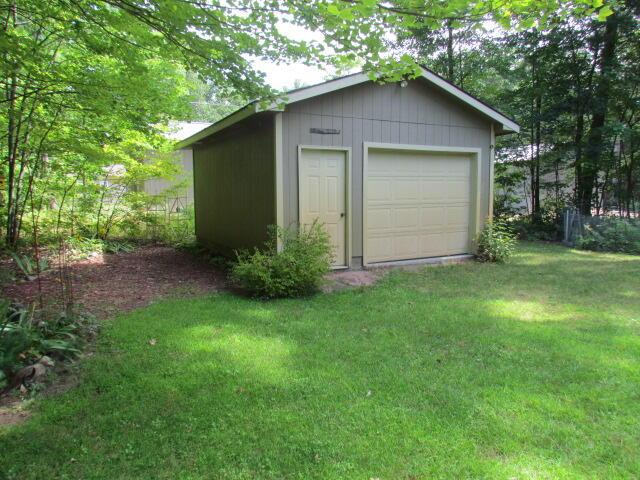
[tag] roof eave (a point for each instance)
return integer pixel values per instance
(505, 130)
(508, 125)
(229, 120)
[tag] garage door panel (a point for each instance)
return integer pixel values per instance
(381, 248)
(406, 189)
(407, 166)
(379, 189)
(406, 246)
(379, 219)
(418, 204)
(432, 244)
(459, 168)
(434, 191)
(458, 191)
(458, 216)
(433, 217)
(406, 217)
(436, 167)
(457, 242)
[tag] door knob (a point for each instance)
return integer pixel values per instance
(342, 215)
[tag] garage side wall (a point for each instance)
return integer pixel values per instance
(418, 114)
(234, 189)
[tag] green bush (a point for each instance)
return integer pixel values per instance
(612, 235)
(495, 243)
(547, 226)
(297, 270)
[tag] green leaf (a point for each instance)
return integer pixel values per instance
(604, 12)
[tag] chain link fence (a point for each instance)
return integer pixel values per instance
(575, 224)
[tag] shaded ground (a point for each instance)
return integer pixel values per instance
(12, 416)
(107, 284)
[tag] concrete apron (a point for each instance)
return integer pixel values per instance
(342, 279)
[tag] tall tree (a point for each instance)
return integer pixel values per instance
(590, 164)
(79, 76)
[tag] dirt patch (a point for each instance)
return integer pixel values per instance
(340, 280)
(13, 411)
(110, 283)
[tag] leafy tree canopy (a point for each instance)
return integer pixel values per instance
(80, 76)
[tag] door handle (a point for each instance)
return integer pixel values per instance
(342, 215)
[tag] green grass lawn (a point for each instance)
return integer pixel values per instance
(524, 370)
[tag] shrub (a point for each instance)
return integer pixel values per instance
(547, 226)
(495, 243)
(612, 235)
(297, 270)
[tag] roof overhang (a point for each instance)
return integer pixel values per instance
(508, 125)
(505, 124)
(229, 120)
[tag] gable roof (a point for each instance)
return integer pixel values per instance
(507, 124)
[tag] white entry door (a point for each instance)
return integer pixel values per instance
(322, 176)
(418, 204)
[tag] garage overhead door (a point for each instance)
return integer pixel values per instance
(417, 204)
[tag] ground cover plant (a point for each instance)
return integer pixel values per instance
(27, 335)
(527, 369)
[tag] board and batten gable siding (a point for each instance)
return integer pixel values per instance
(234, 185)
(418, 114)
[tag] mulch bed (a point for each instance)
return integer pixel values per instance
(104, 285)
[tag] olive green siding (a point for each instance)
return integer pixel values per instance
(234, 185)
(418, 114)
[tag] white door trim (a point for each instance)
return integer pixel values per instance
(476, 157)
(347, 193)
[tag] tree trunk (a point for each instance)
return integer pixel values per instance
(538, 209)
(600, 102)
(450, 59)
(536, 112)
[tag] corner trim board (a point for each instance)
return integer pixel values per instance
(492, 153)
(278, 172)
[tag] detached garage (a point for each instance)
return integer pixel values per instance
(396, 172)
